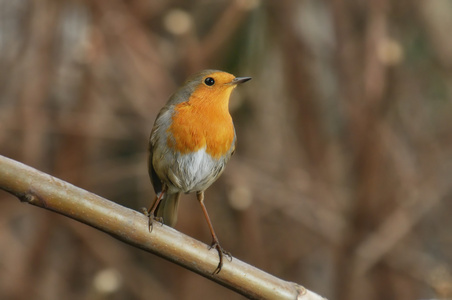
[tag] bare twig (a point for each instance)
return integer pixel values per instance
(129, 226)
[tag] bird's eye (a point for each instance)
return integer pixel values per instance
(209, 81)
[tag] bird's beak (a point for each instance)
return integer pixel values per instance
(238, 80)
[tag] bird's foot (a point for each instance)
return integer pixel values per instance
(221, 253)
(151, 218)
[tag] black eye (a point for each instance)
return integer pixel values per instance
(209, 81)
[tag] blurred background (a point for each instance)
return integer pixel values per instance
(342, 178)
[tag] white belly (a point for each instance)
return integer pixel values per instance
(194, 172)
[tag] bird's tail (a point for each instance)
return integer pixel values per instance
(167, 208)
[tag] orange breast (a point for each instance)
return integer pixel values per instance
(201, 125)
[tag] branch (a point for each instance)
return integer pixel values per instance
(131, 227)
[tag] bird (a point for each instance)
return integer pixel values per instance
(192, 139)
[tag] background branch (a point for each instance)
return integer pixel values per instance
(129, 226)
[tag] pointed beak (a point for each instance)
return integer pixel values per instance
(238, 80)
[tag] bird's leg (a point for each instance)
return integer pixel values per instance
(150, 213)
(215, 243)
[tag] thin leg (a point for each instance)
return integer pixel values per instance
(151, 211)
(215, 243)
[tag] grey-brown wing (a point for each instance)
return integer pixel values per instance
(155, 180)
(153, 139)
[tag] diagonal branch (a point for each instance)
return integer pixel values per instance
(129, 226)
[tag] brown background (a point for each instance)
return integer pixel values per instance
(342, 179)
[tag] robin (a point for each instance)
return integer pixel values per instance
(192, 140)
